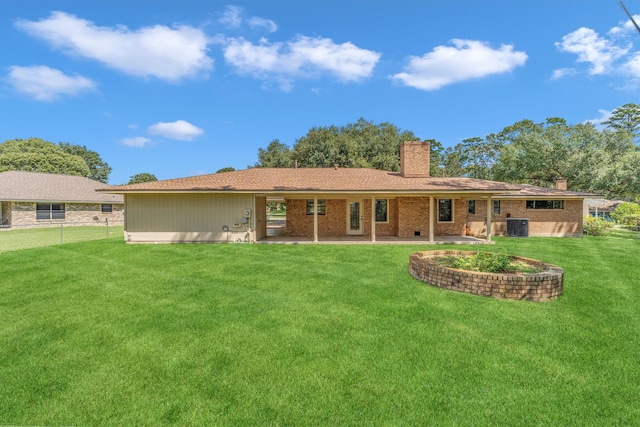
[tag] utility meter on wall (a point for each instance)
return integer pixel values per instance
(247, 213)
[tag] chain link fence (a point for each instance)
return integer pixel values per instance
(24, 236)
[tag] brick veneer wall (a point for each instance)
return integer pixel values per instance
(544, 286)
(565, 222)
(24, 214)
(415, 158)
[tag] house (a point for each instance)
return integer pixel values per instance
(338, 203)
(600, 208)
(39, 199)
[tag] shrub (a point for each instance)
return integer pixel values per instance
(487, 263)
(625, 213)
(595, 226)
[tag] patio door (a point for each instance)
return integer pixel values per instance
(354, 218)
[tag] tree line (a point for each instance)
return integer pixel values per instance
(603, 160)
(38, 155)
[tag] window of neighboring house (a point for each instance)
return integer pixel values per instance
(496, 207)
(545, 204)
(50, 211)
(107, 208)
(445, 210)
(382, 206)
(322, 206)
(471, 207)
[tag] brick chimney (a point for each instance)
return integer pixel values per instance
(561, 184)
(414, 159)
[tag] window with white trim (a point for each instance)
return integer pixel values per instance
(382, 213)
(322, 206)
(445, 210)
(496, 207)
(471, 207)
(49, 211)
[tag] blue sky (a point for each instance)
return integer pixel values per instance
(182, 88)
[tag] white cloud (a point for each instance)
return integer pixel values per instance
(562, 72)
(234, 17)
(180, 130)
(302, 57)
(267, 24)
(465, 60)
(598, 121)
(47, 84)
(138, 141)
(591, 48)
(632, 66)
(169, 54)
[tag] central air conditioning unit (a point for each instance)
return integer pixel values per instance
(517, 227)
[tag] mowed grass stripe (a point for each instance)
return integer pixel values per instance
(107, 333)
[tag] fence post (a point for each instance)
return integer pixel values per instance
(60, 233)
(107, 221)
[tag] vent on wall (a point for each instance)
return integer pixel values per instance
(518, 227)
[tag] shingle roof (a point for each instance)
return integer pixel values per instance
(281, 180)
(533, 192)
(18, 186)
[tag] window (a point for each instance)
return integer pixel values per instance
(545, 204)
(50, 211)
(106, 208)
(496, 207)
(322, 207)
(382, 206)
(445, 210)
(471, 207)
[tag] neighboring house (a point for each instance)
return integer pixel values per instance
(38, 199)
(326, 203)
(600, 208)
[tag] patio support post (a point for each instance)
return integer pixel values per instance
(373, 218)
(431, 217)
(315, 220)
(489, 211)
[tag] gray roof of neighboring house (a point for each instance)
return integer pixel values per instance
(17, 186)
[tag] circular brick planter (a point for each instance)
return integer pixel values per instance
(543, 286)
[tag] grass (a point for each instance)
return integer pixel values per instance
(104, 333)
(25, 238)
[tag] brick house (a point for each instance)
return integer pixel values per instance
(33, 199)
(330, 203)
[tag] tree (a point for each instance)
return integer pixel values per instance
(227, 169)
(362, 144)
(276, 155)
(625, 119)
(38, 155)
(99, 170)
(626, 213)
(142, 177)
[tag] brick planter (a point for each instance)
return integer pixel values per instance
(543, 286)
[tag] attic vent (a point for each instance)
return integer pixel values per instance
(518, 227)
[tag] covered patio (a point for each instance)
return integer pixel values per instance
(383, 240)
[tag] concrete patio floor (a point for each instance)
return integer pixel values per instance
(385, 240)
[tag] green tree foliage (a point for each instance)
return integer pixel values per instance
(38, 155)
(626, 213)
(227, 169)
(276, 155)
(626, 119)
(357, 145)
(99, 170)
(142, 177)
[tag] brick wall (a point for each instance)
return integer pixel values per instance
(24, 214)
(565, 222)
(415, 158)
(543, 286)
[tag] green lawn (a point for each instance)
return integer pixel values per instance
(104, 333)
(18, 239)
